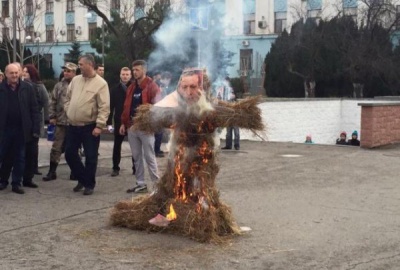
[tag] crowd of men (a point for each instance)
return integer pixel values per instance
(80, 107)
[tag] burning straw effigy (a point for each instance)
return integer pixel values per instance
(187, 201)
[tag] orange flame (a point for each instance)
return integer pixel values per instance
(172, 215)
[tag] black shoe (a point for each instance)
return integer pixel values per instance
(160, 155)
(88, 191)
(50, 176)
(29, 184)
(237, 147)
(17, 189)
(3, 186)
(115, 173)
(72, 177)
(78, 187)
(226, 148)
(37, 172)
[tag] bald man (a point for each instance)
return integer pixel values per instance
(19, 124)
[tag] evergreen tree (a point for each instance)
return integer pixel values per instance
(74, 53)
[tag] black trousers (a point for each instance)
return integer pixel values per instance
(116, 157)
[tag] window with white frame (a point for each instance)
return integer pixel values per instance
(49, 60)
(70, 32)
(70, 5)
(115, 4)
(30, 32)
(92, 30)
(29, 7)
(249, 24)
(49, 33)
(280, 22)
(246, 56)
(5, 31)
(49, 5)
(5, 8)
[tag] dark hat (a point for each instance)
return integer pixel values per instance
(70, 66)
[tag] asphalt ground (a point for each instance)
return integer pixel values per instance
(308, 207)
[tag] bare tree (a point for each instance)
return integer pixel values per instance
(28, 22)
(131, 31)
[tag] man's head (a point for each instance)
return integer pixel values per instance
(190, 87)
(86, 65)
(354, 135)
(12, 73)
(157, 75)
(343, 135)
(139, 69)
(19, 65)
(166, 78)
(125, 75)
(69, 70)
(100, 70)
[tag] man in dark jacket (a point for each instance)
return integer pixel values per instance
(117, 98)
(19, 123)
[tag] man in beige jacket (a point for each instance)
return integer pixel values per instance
(87, 106)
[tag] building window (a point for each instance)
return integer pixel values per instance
(29, 7)
(280, 22)
(249, 26)
(70, 32)
(93, 2)
(315, 15)
(49, 5)
(139, 4)
(30, 32)
(49, 60)
(5, 31)
(5, 9)
(246, 56)
(350, 12)
(115, 4)
(398, 17)
(70, 5)
(49, 33)
(92, 30)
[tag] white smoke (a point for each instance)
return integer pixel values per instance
(174, 45)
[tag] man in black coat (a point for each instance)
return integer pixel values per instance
(19, 123)
(117, 99)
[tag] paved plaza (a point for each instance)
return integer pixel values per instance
(308, 207)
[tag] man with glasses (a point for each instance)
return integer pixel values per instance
(58, 118)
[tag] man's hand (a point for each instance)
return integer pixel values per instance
(96, 132)
(53, 121)
(35, 135)
(110, 128)
(122, 130)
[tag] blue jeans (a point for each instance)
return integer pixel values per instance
(228, 138)
(77, 136)
(13, 142)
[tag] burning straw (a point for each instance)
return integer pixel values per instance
(187, 188)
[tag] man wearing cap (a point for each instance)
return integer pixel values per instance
(87, 107)
(58, 118)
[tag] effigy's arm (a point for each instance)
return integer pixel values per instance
(243, 114)
(151, 119)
